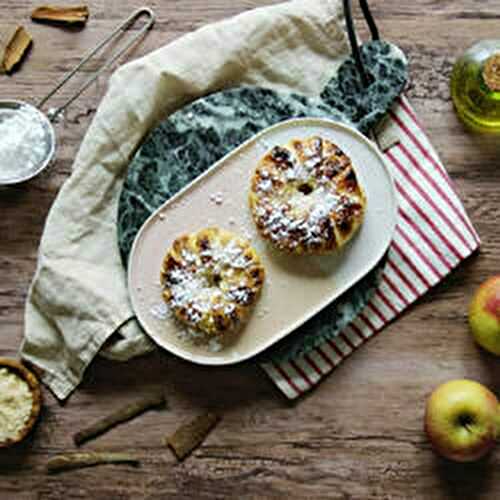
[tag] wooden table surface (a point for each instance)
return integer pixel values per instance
(359, 434)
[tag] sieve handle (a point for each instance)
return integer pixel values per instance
(143, 11)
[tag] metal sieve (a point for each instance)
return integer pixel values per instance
(27, 136)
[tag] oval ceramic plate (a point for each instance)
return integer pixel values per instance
(296, 288)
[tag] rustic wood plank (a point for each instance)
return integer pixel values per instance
(359, 434)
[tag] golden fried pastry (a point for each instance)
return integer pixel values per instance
(305, 197)
(211, 280)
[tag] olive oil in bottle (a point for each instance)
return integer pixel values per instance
(475, 86)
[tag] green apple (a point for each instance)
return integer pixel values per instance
(484, 315)
(462, 420)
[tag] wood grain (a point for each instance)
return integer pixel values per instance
(359, 434)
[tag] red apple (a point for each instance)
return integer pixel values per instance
(484, 315)
(462, 420)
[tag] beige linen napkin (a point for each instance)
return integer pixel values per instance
(78, 297)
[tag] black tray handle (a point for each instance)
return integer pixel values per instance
(351, 31)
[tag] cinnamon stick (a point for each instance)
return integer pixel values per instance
(67, 15)
(190, 435)
(61, 463)
(15, 42)
(119, 416)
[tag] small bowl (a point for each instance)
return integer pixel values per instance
(22, 372)
(36, 121)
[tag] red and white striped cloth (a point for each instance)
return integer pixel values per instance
(433, 236)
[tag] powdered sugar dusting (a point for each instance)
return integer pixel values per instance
(211, 281)
(247, 233)
(217, 198)
(296, 194)
(160, 311)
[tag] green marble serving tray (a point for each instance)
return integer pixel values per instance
(189, 141)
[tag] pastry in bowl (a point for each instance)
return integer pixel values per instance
(211, 279)
(305, 197)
